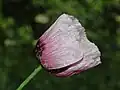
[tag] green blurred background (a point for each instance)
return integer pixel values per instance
(22, 22)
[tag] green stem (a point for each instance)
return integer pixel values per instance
(27, 80)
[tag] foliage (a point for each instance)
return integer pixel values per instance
(22, 22)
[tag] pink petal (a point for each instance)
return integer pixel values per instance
(65, 48)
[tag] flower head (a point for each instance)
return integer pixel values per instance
(64, 49)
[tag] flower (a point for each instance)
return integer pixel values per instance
(64, 49)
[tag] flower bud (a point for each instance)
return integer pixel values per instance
(64, 49)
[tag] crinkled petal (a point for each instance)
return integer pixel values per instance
(61, 43)
(64, 49)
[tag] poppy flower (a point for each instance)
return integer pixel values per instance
(64, 50)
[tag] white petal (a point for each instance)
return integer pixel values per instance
(65, 43)
(62, 46)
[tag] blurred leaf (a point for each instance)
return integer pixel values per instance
(41, 19)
